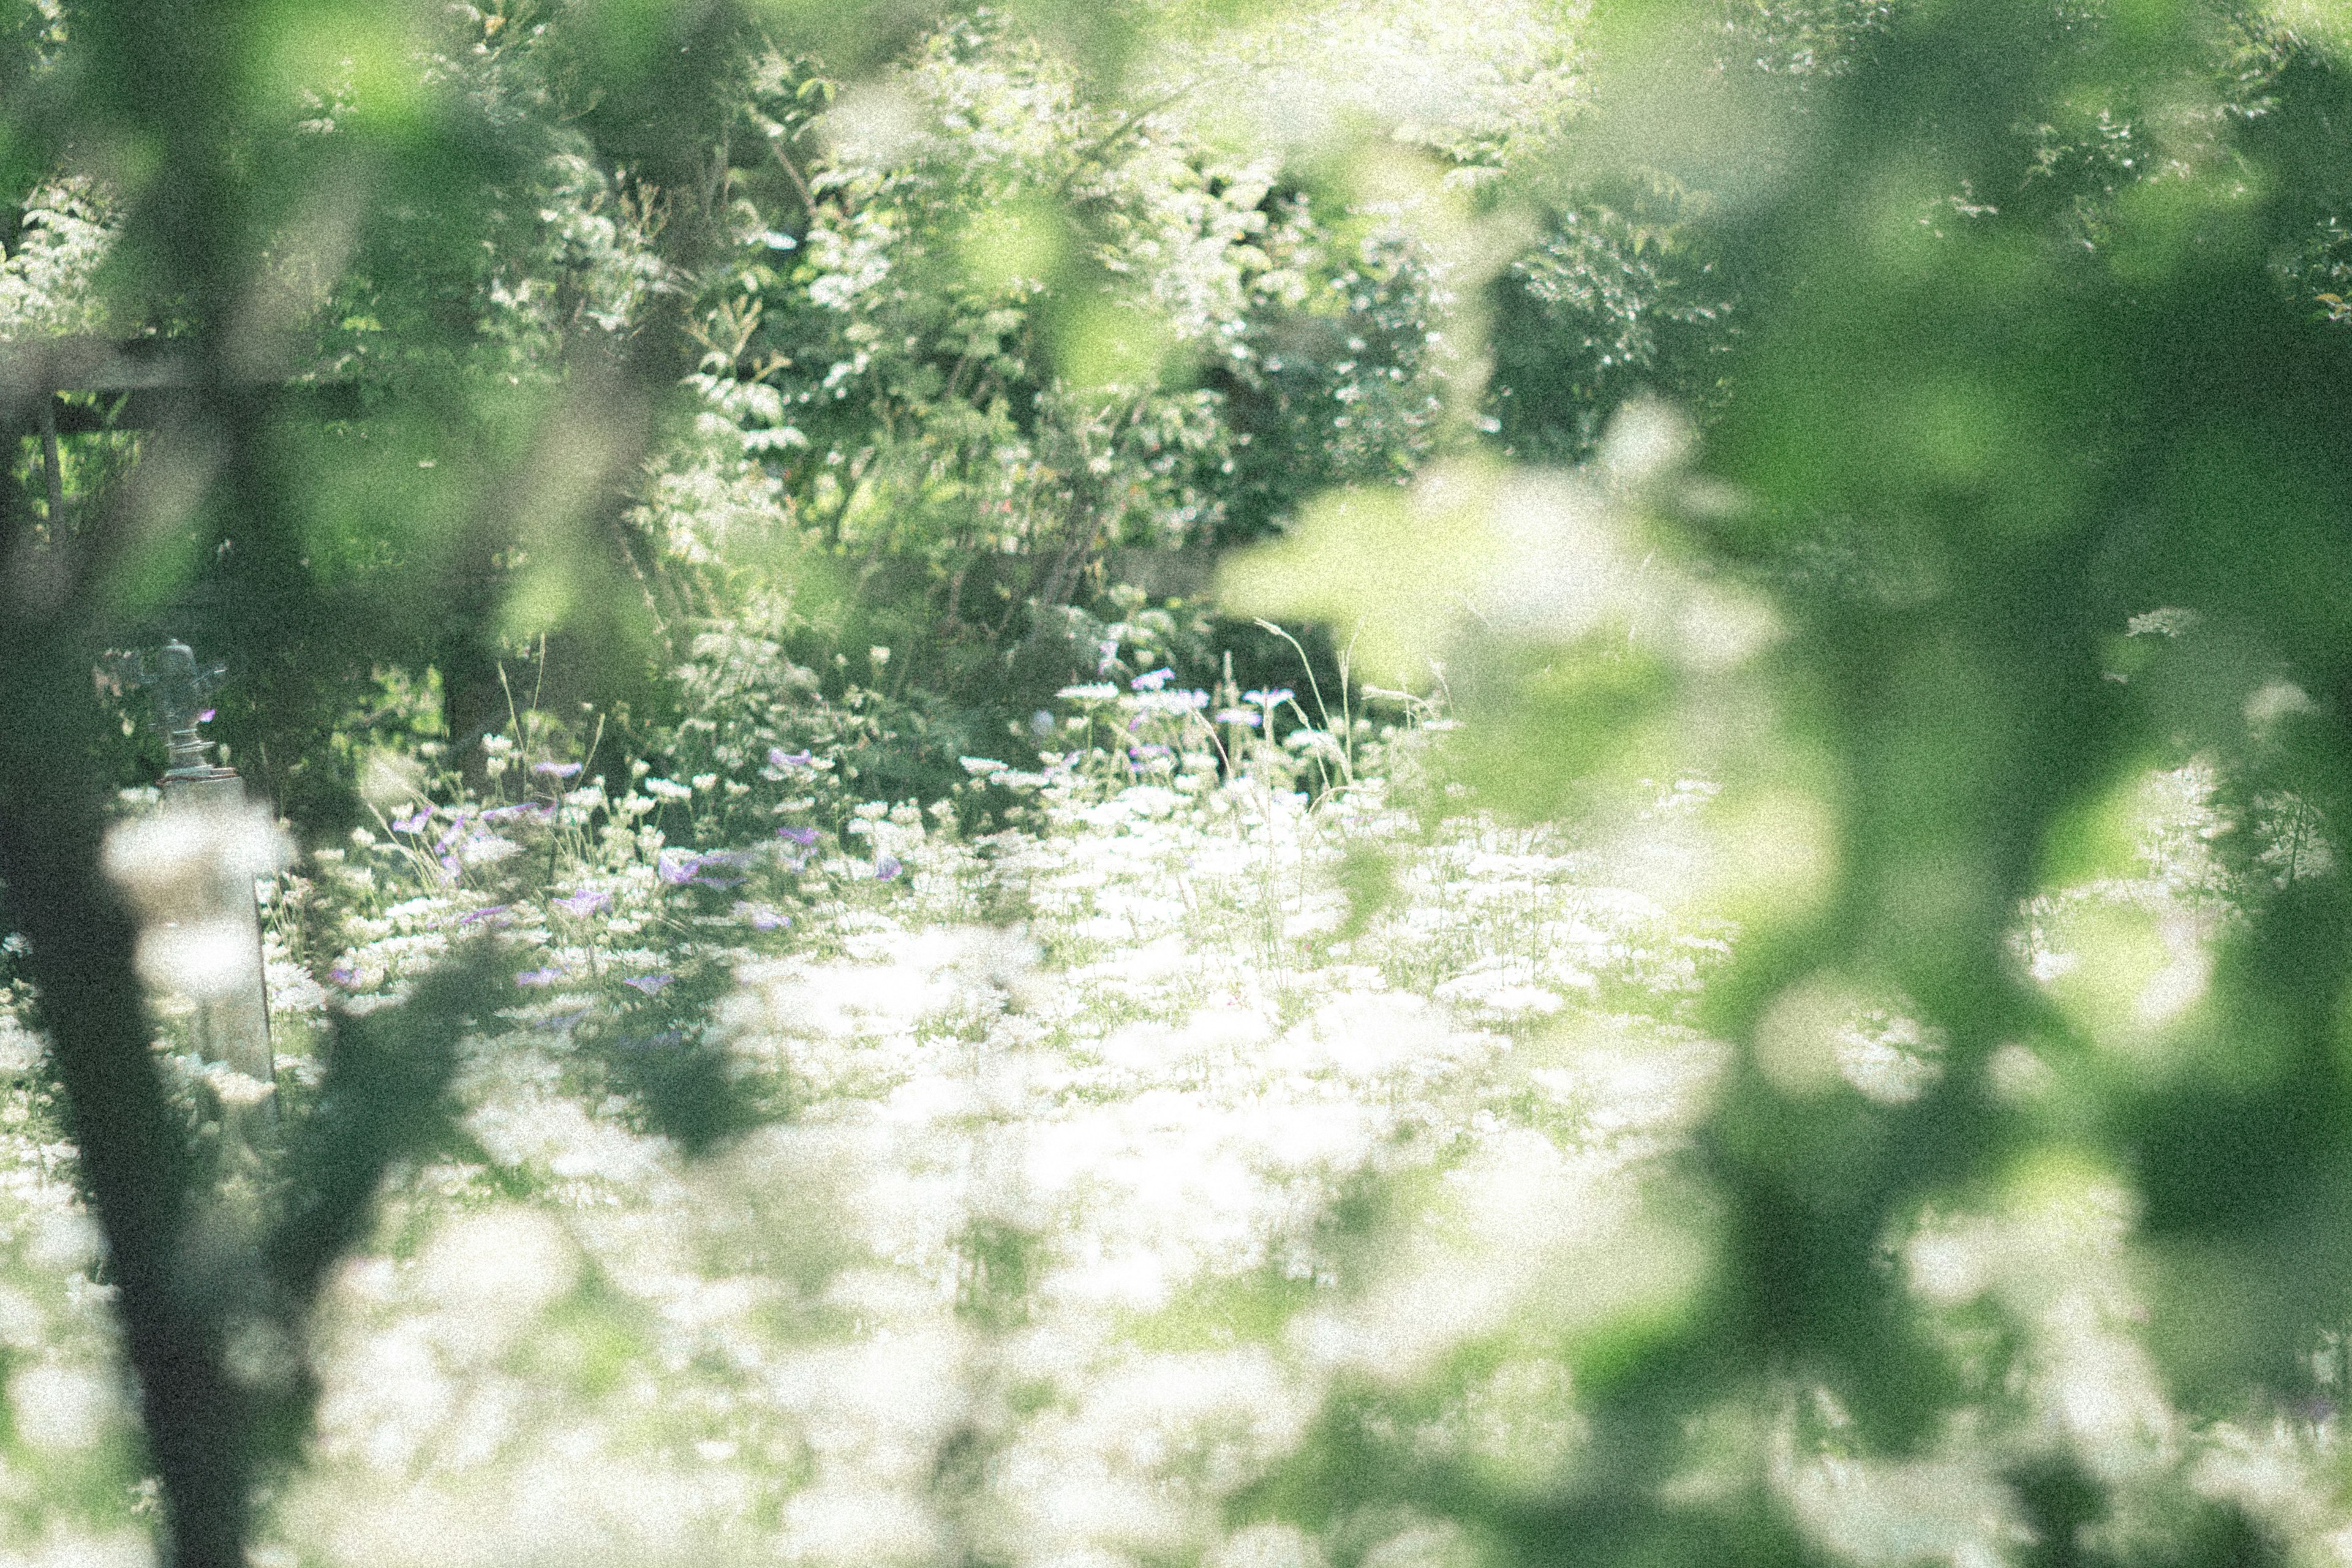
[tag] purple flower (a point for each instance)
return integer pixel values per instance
(586, 902)
(206, 716)
(724, 858)
(1153, 680)
(557, 770)
(762, 917)
(677, 866)
(803, 837)
(544, 976)
(1273, 699)
(415, 822)
(651, 984)
(344, 976)
(886, 867)
(1237, 715)
(483, 914)
(780, 758)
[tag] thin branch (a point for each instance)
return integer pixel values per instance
(800, 181)
(50, 466)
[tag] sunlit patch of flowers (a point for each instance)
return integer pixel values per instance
(1050, 1236)
(1036, 1096)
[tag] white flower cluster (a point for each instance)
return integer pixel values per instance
(1055, 1193)
(1105, 1156)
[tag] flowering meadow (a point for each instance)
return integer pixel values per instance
(1172, 1150)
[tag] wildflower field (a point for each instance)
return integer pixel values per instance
(1051, 1232)
(1228, 1134)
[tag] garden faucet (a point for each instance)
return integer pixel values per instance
(179, 687)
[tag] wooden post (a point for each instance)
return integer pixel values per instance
(232, 1018)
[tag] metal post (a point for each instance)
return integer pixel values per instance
(209, 804)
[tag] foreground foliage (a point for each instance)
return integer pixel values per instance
(1848, 481)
